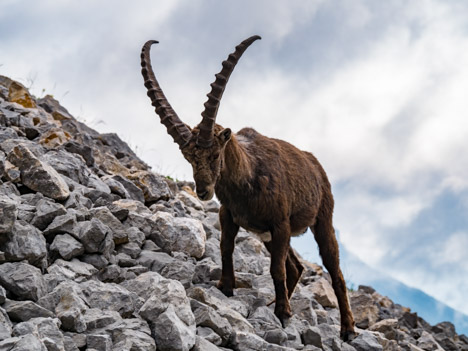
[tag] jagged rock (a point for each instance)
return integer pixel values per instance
(131, 334)
(62, 224)
(250, 342)
(96, 260)
(312, 336)
(154, 186)
(9, 211)
(46, 211)
(101, 342)
(206, 316)
(321, 291)
(386, 327)
(179, 270)
(119, 233)
(25, 242)
(29, 342)
(202, 344)
(189, 200)
(22, 280)
(96, 237)
(67, 246)
(365, 310)
(69, 310)
(427, 342)
(2, 295)
(5, 325)
(171, 333)
(209, 335)
(124, 187)
(54, 137)
(47, 330)
(97, 319)
(72, 270)
(21, 311)
(179, 234)
(38, 175)
(19, 94)
(108, 296)
(52, 106)
(366, 341)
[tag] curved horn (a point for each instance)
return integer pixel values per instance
(177, 129)
(205, 137)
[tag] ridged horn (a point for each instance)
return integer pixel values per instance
(177, 129)
(205, 137)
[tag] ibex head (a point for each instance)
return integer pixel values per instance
(203, 146)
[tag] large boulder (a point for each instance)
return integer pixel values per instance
(179, 234)
(38, 175)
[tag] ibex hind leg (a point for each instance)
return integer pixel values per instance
(294, 269)
(328, 248)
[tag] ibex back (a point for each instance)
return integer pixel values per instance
(265, 185)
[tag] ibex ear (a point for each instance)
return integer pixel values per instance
(224, 136)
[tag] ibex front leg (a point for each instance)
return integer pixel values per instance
(280, 235)
(228, 234)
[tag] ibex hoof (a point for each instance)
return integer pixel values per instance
(348, 335)
(284, 316)
(226, 291)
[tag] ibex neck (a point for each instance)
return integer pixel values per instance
(238, 165)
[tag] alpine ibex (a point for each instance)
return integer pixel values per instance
(265, 185)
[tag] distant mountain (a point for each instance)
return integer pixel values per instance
(358, 273)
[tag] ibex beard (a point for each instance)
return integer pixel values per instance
(265, 185)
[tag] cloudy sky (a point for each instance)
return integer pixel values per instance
(377, 90)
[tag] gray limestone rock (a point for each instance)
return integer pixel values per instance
(25, 242)
(2, 295)
(209, 335)
(5, 325)
(108, 296)
(312, 336)
(101, 342)
(72, 270)
(47, 329)
(365, 310)
(119, 231)
(29, 342)
(202, 344)
(171, 333)
(21, 311)
(155, 261)
(366, 341)
(96, 237)
(97, 319)
(179, 234)
(23, 280)
(166, 293)
(181, 271)
(38, 175)
(206, 316)
(8, 213)
(124, 187)
(153, 185)
(46, 211)
(67, 246)
(70, 310)
(62, 224)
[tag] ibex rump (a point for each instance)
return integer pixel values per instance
(264, 185)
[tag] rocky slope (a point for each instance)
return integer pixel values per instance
(99, 253)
